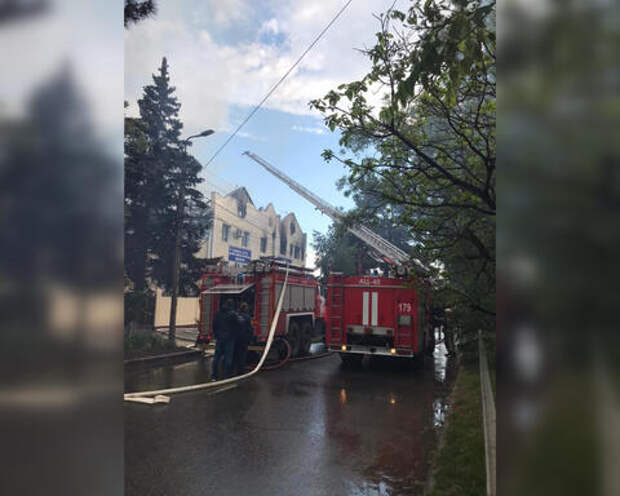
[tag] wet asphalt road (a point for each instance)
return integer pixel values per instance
(312, 427)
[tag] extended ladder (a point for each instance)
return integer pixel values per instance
(388, 251)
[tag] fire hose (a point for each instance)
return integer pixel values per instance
(159, 395)
(287, 358)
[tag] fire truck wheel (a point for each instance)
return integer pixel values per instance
(351, 359)
(294, 338)
(305, 338)
(279, 351)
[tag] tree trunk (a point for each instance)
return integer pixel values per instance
(175, 272)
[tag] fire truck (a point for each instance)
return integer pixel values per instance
(373, 315)
(301, 319)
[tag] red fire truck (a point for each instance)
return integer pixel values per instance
(371, 315)
(259, 285)
(376, 316)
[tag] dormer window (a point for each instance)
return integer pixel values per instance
(241, 209)
(292, 228)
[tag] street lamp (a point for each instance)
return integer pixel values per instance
(208, 132)
(177, 243)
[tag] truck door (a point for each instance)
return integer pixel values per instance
(405, 310)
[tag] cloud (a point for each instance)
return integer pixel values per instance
(36, 48)
(307, 129)
(270, 26)
(251, 136)
(227, 12)
(212, 68)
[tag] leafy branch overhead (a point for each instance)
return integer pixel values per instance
(419, 128)
(138, 10)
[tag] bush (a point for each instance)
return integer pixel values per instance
(139, 307)
(147, 341)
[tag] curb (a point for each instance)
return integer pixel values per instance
(163, 357)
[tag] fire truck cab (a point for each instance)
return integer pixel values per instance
(259, 284)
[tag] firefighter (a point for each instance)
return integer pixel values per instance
(243, 338)
(224, 329)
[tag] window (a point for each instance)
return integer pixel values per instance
(241, 209)
(292, 227)
(245, 239)
(270, 222)
(263, 244)
(290, 252)
(404, 320)
(225, 232)
(297, 252)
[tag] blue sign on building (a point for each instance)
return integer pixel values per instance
(239, 255)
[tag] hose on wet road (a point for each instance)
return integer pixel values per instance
(160, 395)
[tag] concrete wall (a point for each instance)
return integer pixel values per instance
(188, 310)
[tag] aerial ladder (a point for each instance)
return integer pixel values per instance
(383, 250)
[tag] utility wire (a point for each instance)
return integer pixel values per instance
(275, 86)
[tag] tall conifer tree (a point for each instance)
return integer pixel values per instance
(157, 170)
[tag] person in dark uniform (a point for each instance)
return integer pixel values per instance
(244, 336)
(225, 330)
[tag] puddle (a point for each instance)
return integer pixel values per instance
(439, 412)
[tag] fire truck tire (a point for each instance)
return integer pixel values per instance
(279, 353)
(294, 338)
(305, 338)
(351, 359)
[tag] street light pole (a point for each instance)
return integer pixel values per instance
(176, 261)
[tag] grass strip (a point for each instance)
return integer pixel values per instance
(459, 467)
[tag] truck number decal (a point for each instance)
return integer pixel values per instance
(404, 308)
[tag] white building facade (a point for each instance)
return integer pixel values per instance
(241, 232)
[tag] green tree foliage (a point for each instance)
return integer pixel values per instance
(157, 172)
(137, 10)
(341, 251)
(195, 221)
(428, 147)
(140, 197)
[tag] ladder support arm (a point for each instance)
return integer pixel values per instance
(391, 253)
